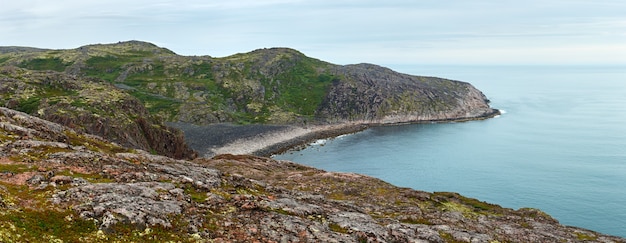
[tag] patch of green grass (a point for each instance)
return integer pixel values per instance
(55, 64)
(126, 232)
(475, 204)
(29, 105)
(195, 194)
(303, 89)
(4, 59)
(156, 103)
(106, 67)
(35, 226)
(17, 168)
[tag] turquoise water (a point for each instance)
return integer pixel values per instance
(560, 145)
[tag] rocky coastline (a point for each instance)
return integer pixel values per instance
(267, 140)
(59, 185)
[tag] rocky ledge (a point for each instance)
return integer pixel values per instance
(60, 185)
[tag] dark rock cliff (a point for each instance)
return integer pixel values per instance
(380, 95)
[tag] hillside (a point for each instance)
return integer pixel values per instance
(61, 185)
(92, 106)
(267, 86)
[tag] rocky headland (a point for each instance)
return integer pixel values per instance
(91, 150)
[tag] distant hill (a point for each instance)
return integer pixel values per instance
(268, 86)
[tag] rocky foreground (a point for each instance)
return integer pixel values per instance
(59, 185)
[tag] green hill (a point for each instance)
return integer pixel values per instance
(277, 86)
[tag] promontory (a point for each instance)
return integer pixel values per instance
(89, 151)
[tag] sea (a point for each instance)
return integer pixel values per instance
(559, 145)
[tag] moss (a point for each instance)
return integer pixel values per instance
(33, 225)
(470, 203)
(16, 168)
(40, 153)
(94, 144)
(585, 237)
(222, 193)
(195, 194)
(412, 220)
(447, 237)
(125, 232)
(337, 228)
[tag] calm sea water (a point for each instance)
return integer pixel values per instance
(560, 145)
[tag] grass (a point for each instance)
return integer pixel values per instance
(55, 64)
(16, 168)
(303, 89)
(94, 144)
(157, 104)
(30, 225)
(474, 204)
(195, 194)
(29, 105)
(106, 67)
(4, 59)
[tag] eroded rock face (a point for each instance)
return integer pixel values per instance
(91, 106)
(99, 191)
(374, 94)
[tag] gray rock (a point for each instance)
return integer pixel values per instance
(138, 204)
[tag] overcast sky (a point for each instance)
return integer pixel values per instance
(339, 31)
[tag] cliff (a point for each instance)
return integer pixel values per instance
(61, 185)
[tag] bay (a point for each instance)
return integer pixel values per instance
(560, 145)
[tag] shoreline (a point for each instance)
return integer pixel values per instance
(267, 140)
(353, 127)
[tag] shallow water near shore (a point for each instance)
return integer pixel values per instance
(560, 145)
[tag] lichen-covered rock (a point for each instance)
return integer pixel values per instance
(83, 189)
(144, 204)
(85, 105)
(374, 94)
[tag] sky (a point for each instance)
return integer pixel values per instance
(402, 32)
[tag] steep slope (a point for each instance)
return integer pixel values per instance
(59, 185)
(278, 85)
(89, 105)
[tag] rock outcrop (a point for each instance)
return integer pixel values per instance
(380, 95)
(57, 184)
(92, 106)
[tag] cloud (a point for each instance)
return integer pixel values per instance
(342, 31)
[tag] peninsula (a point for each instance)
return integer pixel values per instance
(91, 150)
